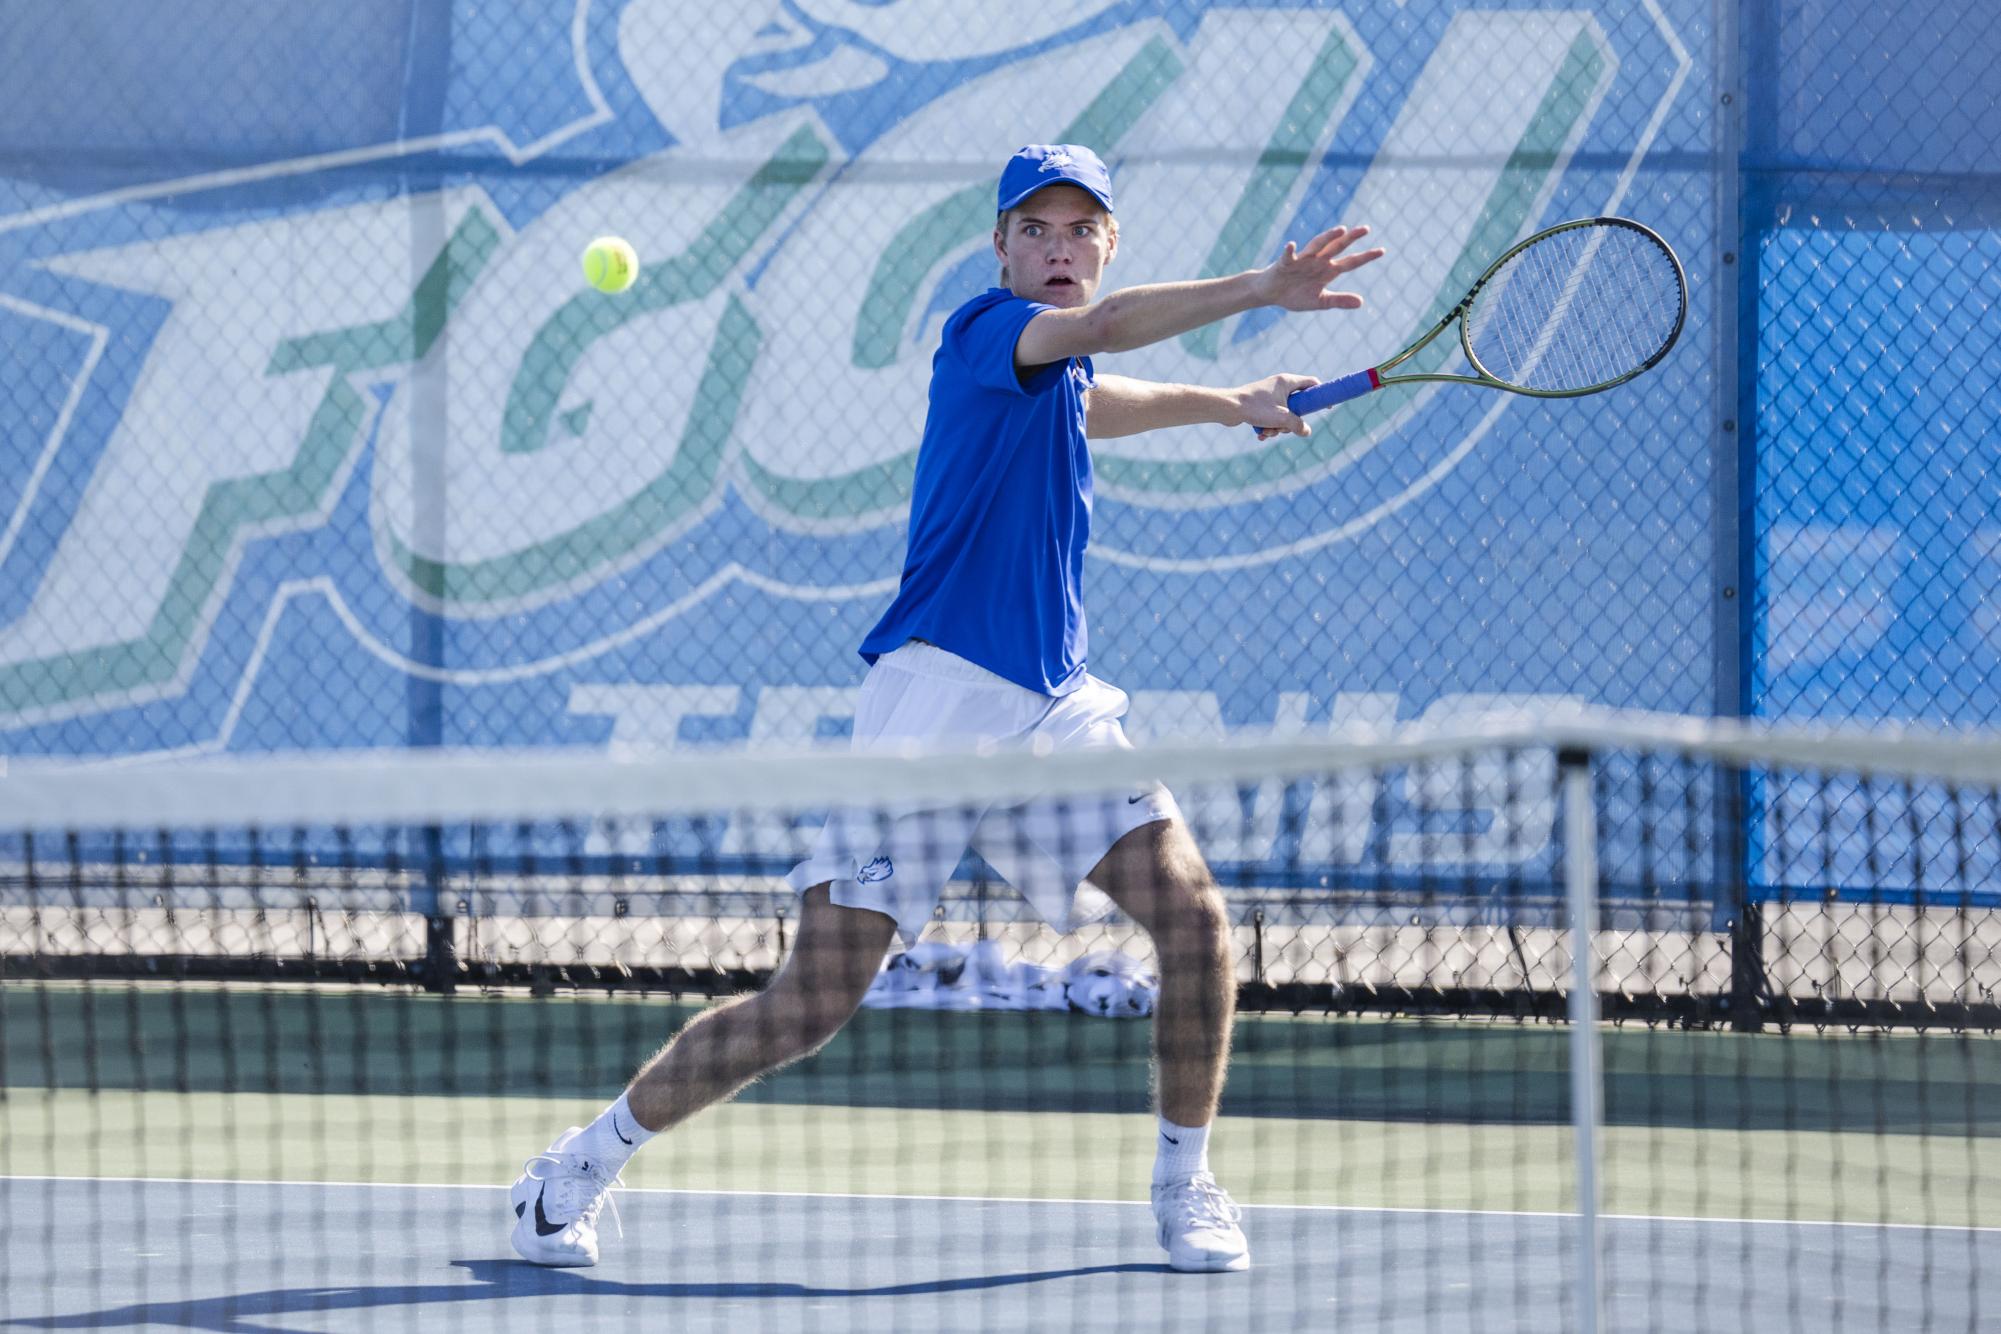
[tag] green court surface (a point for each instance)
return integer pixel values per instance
(357, 1085)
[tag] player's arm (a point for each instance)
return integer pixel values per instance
(1118, 406)
(1137, 316)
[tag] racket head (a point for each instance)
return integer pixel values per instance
(1576, 308)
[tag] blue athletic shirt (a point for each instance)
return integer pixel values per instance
(1001, 509)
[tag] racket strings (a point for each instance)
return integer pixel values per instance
(1577, 309)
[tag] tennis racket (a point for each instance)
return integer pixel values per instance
(1573, 310)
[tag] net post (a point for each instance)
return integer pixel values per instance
(1580, 876)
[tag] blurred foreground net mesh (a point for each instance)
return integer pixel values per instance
(274, 1039)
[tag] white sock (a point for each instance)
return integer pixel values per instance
(613, 1138)
(1182, 1152)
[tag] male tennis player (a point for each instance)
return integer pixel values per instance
(986, 642)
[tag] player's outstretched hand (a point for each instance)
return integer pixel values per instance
(1299, 279)
(1263, 405)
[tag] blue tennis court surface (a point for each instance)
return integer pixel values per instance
(125, 1254)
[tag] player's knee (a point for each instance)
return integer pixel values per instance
(816, 1002)
(826, 1015)
(1193, 924)
(790, 1025)
(1208, 918)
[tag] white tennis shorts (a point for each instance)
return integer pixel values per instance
(899, 865)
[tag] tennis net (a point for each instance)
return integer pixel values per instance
(276, 1036)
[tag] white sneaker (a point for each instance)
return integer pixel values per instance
(1199, 1226)
(556, 1202)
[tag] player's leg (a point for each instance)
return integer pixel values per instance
(560, 1193)
(1158, 878)
(836, 956)
(1136, 848)
(869, 871)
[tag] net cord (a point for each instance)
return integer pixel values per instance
(403, 787)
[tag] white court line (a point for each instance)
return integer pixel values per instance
(1021, 1199)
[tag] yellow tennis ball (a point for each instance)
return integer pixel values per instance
(611, 264)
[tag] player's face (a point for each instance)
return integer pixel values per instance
(1055, 245)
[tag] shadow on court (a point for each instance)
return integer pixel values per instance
(509, 1279)
(262, 1258)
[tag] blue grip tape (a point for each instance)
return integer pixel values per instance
(1326, 395)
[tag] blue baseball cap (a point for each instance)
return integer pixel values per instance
(1053, 164)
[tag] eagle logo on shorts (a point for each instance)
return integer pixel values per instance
(879, 869)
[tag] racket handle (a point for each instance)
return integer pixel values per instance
(1330, 392)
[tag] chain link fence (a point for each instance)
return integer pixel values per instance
(312, 436)
(321, 440)
(1871, 202)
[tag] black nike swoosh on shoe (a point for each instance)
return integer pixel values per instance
(543, 1227)
(1134, 801)
(616, 1131)
(521, 1208)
